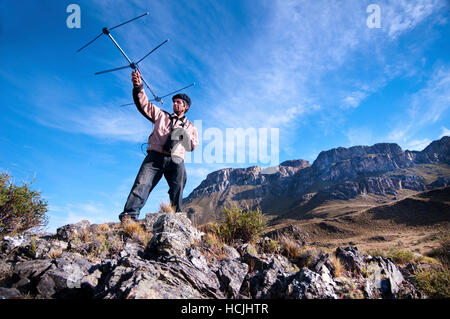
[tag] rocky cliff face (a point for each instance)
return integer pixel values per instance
(100, 262)
(383, 169)
(437, 152)
(220, 180)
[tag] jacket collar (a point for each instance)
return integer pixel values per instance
(183, 119)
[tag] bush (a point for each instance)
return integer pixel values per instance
(21, 208)
(434, 283)
(290, 248)
(241, 225)
(402, 257)
(442, 252)
(398, 256)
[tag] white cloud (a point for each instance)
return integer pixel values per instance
(354, 99)
(102, 122)
(267, 78)
(445, 132)
(417, 145)
(424, 108)
(402, 16)
(56, 107)
(431, 102)
(71, 213)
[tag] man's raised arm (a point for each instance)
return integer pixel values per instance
(148, 109)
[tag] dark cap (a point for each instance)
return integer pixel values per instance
(182, 96)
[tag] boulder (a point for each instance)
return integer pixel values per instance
(231, 274)
(351, 258)
(269, 281)
(72, 231)
(67, 278)
(307, 284)
(384, 279)
(173, 236)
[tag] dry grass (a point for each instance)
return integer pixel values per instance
(83, 236)
(442, 252)
(104, 228)
(290, 248)
(166, 208)
(209, 228)
(212, 240)
(54, 253)
(338, 267)
(136, 231)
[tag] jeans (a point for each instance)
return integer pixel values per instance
(153, 167)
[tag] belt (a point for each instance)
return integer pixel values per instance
(160, 153)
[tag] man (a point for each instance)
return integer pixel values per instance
(172, 135)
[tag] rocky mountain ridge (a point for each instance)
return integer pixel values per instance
(341, 173)
(176, 263)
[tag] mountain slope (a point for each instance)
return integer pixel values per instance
(340, 181)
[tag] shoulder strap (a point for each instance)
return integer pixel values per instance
(183, 121)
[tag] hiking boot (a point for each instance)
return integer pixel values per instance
(124, 215)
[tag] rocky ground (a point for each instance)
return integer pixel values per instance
(165, 257)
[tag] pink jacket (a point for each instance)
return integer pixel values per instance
(161, 119)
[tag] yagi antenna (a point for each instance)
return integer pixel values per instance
(106, 31)
(157, 99)
(131, 64)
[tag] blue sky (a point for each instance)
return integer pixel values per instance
(312, 69)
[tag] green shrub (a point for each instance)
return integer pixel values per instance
(238, 224)
(398, 256)
(21, 208)
(402, 257)
(442, 252)
(271, 246)
(434, 283)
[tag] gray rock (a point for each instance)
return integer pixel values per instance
(251, 257)
(174, 265)
(231, 274)
(231, 252)
(290, 231)
(130, 249)
(352, 259)
(323, 264)
(57, 280)
(71, 231)
(11, 242)
(9, 293)
(6, 269)
(23, 283)
(32, 269)
(308, 284)
(270, 281)
(14, 244)
(142, 285)
(40, 248)
(384, 278)
(174, 235)
(437, 152)
(153, 279)
(150, 220)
